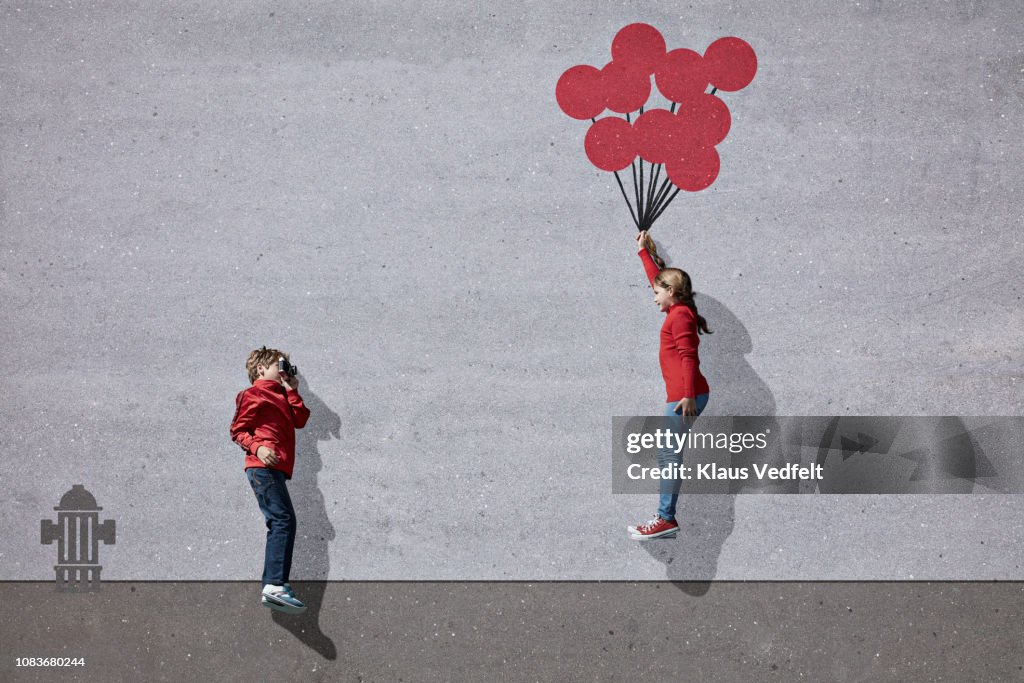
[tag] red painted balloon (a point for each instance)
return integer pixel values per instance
(610, 144)
(659, 135)
(731, 63)
(579, 92)
(626, 86)
(681, 75)
(694, 169)
(706, 118)
(639, 44)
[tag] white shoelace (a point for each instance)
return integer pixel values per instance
(648, 524)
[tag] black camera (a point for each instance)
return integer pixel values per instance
(286, 368)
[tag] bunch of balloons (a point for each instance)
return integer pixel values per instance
(681, 139)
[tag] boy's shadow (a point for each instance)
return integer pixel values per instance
(707, 520)
(315, 530)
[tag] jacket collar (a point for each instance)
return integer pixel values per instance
(266, 384)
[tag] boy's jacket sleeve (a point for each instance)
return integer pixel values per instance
(243, 424)
(299, 409)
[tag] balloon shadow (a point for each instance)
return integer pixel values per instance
(315, 531)
(706, 520)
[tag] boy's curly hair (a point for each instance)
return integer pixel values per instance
(262, 356)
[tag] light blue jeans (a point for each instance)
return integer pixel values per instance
(669, 488)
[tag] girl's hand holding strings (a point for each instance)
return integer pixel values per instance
(642, 240)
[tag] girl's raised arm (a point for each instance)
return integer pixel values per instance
(650, 267)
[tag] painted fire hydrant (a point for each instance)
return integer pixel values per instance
(78, 533)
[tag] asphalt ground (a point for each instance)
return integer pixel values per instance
(513, 631)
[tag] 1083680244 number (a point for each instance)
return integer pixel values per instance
(49, 661)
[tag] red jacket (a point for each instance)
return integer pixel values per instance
(680, 365)
(266, 414)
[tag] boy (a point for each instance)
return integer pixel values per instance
(266, 417)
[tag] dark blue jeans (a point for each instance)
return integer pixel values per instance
(276, 506)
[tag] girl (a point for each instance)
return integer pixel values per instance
(687, 390)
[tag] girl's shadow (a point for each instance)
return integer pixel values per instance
(707, 520)
(315, 530)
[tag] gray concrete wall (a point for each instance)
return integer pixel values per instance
(390, 192)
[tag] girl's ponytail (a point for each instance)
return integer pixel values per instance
(702, 324)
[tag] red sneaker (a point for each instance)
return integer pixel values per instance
(655, 528)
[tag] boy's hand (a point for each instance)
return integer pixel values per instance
(289, 382)
(266, 455)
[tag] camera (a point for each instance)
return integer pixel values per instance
(286, 368)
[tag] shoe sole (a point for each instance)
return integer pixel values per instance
(671, 533)
(281, 607)
(633, 530)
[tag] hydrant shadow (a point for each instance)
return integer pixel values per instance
(706, 520)
(310, 558)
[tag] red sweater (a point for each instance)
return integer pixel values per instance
(266, 414)
(680, 365)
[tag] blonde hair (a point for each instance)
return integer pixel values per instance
(261, 356)
(678, 282)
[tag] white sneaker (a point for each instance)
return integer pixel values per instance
(282, 599)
